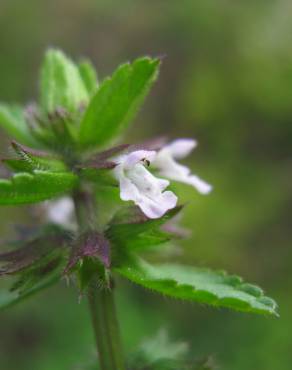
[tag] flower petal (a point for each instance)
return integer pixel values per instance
(202, 186)
(157, 207)
(180, 148)
(133, 158)
(144, 189)
(147, 183)
(128, 190)
(169, 168)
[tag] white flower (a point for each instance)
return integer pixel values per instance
(139, 185)
(165, 162)
(60, 211)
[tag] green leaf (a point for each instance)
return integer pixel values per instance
(157, 348)
(207, 363)
(100, 177)
(133, 218)
(40, 282)
(138, 234)
(201, 285)
(31, 160)
(136, 240)
(159, 353)
(38, 246)
(89, 76)
(13, 122)
(34, 187)
(37, 262)
(45, 164)
(116, 101)
(61, 83)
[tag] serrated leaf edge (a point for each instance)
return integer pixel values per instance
(262, 304)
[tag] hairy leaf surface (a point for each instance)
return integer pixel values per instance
(32, 247)
(34, 187)
(89, 76)
(31, 286)
(61, 83)
(116, 101)
(29, 160)
(13, 122)
(131, 230)
(201, 285)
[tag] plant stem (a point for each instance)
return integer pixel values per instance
(101, 300)
(106, 328)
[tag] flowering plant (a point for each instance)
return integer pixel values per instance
(112, 202)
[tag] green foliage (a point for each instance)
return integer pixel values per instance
(35, 163)
(156, 352)
(116, 101)
(61, 83)
(13, 122)
(36, 263)
(34, 187)
(28, 161)
(101, 177)
(131, 231)
(89, 76)
(132, 220)
(159, 353)
(31, 283)
(57, 131)
(201, 285)
(32, 248)
(77, 115)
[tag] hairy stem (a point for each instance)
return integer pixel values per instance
(101, 300)
(105, 324)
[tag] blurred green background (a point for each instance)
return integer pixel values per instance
(226, 80)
